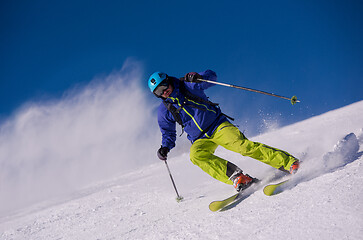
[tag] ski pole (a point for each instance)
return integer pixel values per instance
(178, 198)
(293, 99)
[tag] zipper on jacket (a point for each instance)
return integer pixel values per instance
(195, 121)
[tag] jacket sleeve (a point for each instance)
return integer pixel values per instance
(167, 127)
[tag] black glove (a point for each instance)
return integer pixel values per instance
(192, 77)
(163, 153)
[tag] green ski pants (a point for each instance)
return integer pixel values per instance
(229, 137)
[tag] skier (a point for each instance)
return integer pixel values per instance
(184, 102)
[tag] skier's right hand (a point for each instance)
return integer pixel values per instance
(163, 153)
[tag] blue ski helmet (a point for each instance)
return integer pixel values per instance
(155, 79)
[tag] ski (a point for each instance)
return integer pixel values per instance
(273, 189)
(239, 197)
(235, 198)
(218, 205)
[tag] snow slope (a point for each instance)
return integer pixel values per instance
(324, 201)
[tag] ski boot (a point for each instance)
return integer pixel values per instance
(242, 181)
(294, 167)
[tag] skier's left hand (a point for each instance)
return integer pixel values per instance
(192, 77)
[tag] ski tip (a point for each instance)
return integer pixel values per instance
(218, 205)
(215, 206)
(213, 209)
(269, 190)
(274, 189)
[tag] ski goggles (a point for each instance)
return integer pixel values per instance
(160, 89)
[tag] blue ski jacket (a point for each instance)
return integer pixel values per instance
(199, 119)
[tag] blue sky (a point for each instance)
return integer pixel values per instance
(312, 49)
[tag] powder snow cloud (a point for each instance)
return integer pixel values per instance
(93, 132)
